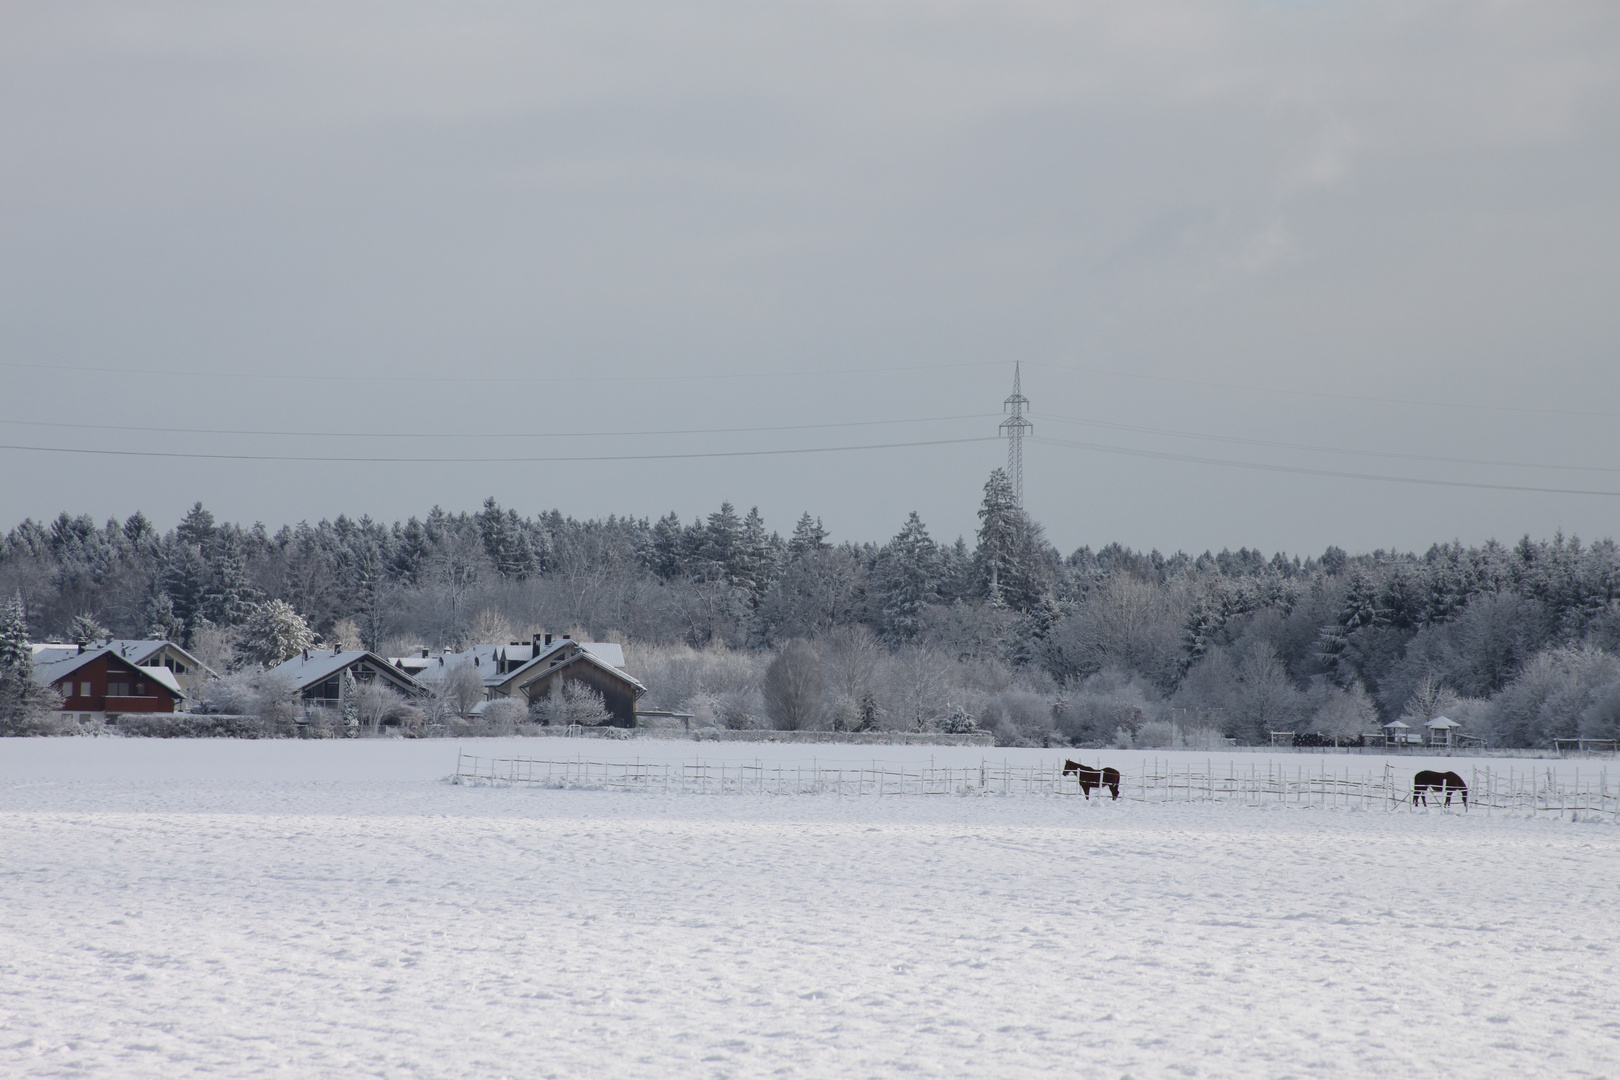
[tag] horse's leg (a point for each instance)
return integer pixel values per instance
(1115, 789)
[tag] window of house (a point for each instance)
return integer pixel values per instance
(66, 688)
(84, 689)
(140, 689)
(118, 689)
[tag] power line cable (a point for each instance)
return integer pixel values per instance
(1324, 449)
(459, 377)
(1165, 455)
(491, 460)
(484, 434)
(1213, 384)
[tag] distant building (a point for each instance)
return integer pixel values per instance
(97, 684)
(527, 670)
(189, 671)
(317, 674)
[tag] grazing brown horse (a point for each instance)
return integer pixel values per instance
(1092, 778)
(1429, 782)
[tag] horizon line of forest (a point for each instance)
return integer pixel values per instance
(1104, 647)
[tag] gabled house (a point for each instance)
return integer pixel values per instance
(590, 663)
(317, 674)
(526, 671)
(188, 671)
(99, 683)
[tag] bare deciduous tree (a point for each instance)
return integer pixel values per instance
(793, 687)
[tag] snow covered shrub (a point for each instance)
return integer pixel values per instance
(499, 717)
(569, 702)
(792, 688)
(1561, 693)
(229, 695)
(1343, 715)
(1018, 717)
(373, 700)
(1156, 734)
(200, 726)
(322, 722)
(1090, 713)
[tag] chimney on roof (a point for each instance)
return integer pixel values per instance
(424, 654)
(81, 650)
(568, 637)
(335, 647)
(548, 641)
(306, 656)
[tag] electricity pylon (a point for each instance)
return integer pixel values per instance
(1015, 427)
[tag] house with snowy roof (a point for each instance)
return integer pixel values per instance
(188, 671)
(527, 671)
(317, 674)
(101, 684)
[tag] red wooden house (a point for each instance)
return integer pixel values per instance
(99, 683)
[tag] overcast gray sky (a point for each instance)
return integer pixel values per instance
(1370, 239)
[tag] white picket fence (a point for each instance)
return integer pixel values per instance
(1527, 791)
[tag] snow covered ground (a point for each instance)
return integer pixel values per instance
(175, 908)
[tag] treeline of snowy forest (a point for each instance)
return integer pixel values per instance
(728, 620)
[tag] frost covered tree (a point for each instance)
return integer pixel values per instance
(792, 687)
(351, 705)
(999, 521)
(83, 629)
(274, 632)
(14, 650)
(570, 701)
(158, 620)
(908, 580)
(26, 707)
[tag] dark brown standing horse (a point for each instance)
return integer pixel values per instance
(1092, 778)
(1428, 783)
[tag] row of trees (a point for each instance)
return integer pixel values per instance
(1110, 645)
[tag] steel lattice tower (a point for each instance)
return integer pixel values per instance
(1015, 427)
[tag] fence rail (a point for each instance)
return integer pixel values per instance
(1527, 791)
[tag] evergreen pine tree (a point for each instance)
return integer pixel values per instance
(908, 580)
(1000, 525)
(83, 629)
(351, 705)
(808, 536)
(159, 620)
(14, 651)
(25, 705)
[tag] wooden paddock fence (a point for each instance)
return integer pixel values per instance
(1517, 791)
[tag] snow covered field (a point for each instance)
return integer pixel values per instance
(303, 909)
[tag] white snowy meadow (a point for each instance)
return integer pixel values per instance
(275, 908)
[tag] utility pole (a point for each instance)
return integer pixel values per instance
(1015, 427)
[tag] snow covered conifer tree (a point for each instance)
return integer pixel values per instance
(25, 705)
(808, 535)
(14, 650)
(83, 629)
(1000, 526)
(908, 579)
(351, 705)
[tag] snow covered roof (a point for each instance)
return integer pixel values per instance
(136, 650)
(52, 670)
(589, 657)
(1397, 723)
(1442, 722)
(518, 659)
(317, 665)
